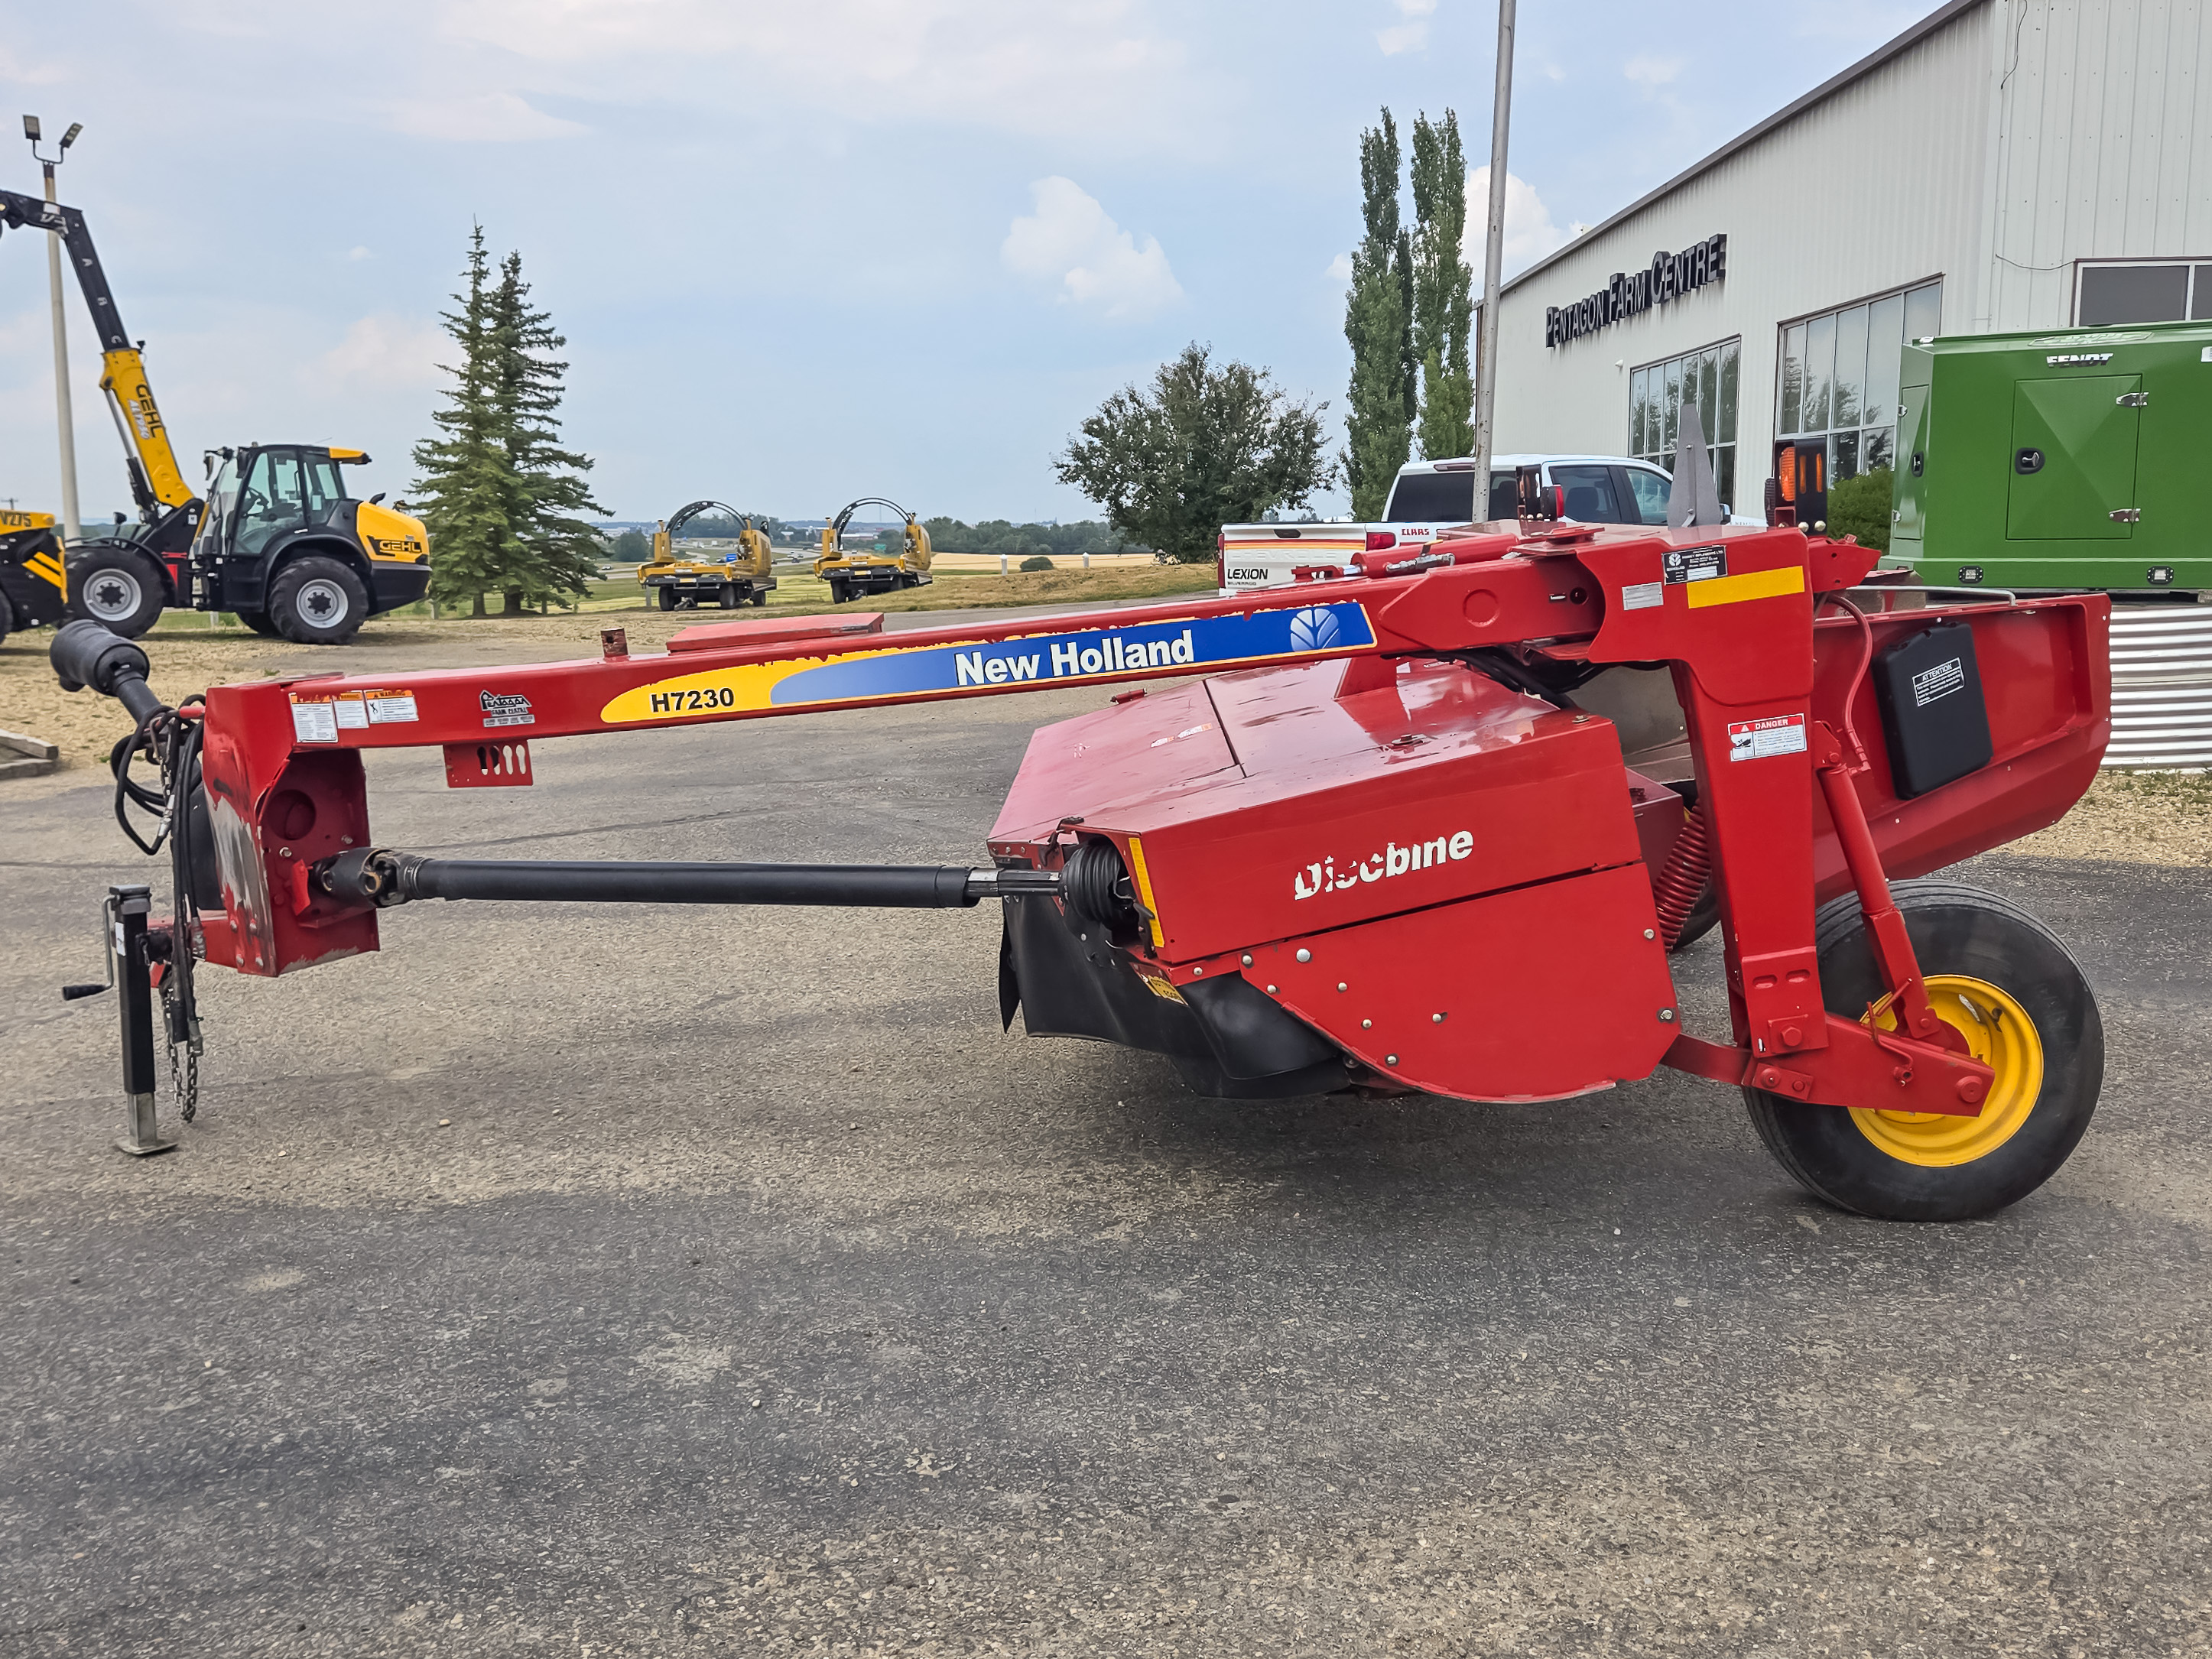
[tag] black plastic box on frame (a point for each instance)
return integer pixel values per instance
(1932, 709)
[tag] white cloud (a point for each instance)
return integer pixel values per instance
(1070, 240)
(1529, 233)
(15, 70)
(494, 118)
(1412, 35)
(355, 254)
(1646, 70)
(1040, 66)
(1340, 270)
(387, 352)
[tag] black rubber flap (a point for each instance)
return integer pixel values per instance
(1932, 709)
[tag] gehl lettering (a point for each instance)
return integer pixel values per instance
(1114, 654)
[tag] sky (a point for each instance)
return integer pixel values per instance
(801, 253)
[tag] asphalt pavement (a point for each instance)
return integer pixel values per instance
(582, 1280)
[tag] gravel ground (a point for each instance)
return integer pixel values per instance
(567, 1279)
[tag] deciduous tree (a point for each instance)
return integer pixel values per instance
(1203, 447)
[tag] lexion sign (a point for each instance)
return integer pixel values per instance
(1669, 276)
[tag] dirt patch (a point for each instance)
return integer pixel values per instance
(2141, 818)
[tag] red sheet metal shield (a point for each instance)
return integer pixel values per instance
(1533, 994)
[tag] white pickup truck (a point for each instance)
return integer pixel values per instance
(1430, 497)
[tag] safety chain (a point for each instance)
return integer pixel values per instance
(184, 1057)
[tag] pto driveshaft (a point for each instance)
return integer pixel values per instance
(382, 877)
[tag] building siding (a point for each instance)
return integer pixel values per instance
(2102, 150)
(1878, 186)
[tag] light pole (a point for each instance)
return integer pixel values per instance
(72, 526)
(1493, 257)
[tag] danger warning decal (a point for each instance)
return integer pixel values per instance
(1783, 734)
(1040, 659)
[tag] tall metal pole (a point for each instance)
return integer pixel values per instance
(72, 526)
(1493, 256)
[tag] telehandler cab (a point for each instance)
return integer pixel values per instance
(1366, 839)
(279, 540)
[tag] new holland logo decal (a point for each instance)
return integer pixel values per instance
(882, 673)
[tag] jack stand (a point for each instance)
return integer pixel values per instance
(129, 907)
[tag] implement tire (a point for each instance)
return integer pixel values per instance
(118, 586)
(259, 622)
(316, 600)
(2003, 979)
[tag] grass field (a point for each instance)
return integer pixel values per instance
(798, 594)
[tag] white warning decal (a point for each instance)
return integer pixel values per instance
(1783, 734)
(1941, 681)
(313, 722)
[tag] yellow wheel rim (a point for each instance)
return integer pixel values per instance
(2000, 1035)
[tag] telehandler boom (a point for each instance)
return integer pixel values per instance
(279, 540)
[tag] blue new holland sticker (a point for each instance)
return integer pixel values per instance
(1195, 643)
(1202, 642)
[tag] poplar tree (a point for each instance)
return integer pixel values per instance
(1443, 288)
(1379, 325)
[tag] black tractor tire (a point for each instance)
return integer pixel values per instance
(118, 586)
(760, 598)
(316, 600)
(2003, 978)
(259, 622)
(7, 618)
(840, 592)
(729, 597)
(667, 597)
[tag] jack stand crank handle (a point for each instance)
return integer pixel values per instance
(130, 907)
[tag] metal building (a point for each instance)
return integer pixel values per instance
(2003, 164)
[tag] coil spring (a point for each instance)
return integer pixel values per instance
(1684, 876)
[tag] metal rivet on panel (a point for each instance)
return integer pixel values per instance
(1666, 1015)
(1248, 958)
(1389, 1060)
(1305, 955)
(1341, 986)
(1271, 990)
(1648, 933)
(1436, 1019)
(1366, 1024)
(1195, 972)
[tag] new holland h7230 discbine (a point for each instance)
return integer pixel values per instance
(1369, 840)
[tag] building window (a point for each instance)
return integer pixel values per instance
(1706, 379)
(2135, 291)
(1837, 376)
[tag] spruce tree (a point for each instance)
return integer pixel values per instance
(558, 553)
(1444, 297)
(1378, 322)
(466, 486)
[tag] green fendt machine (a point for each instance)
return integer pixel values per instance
(2068, 460)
